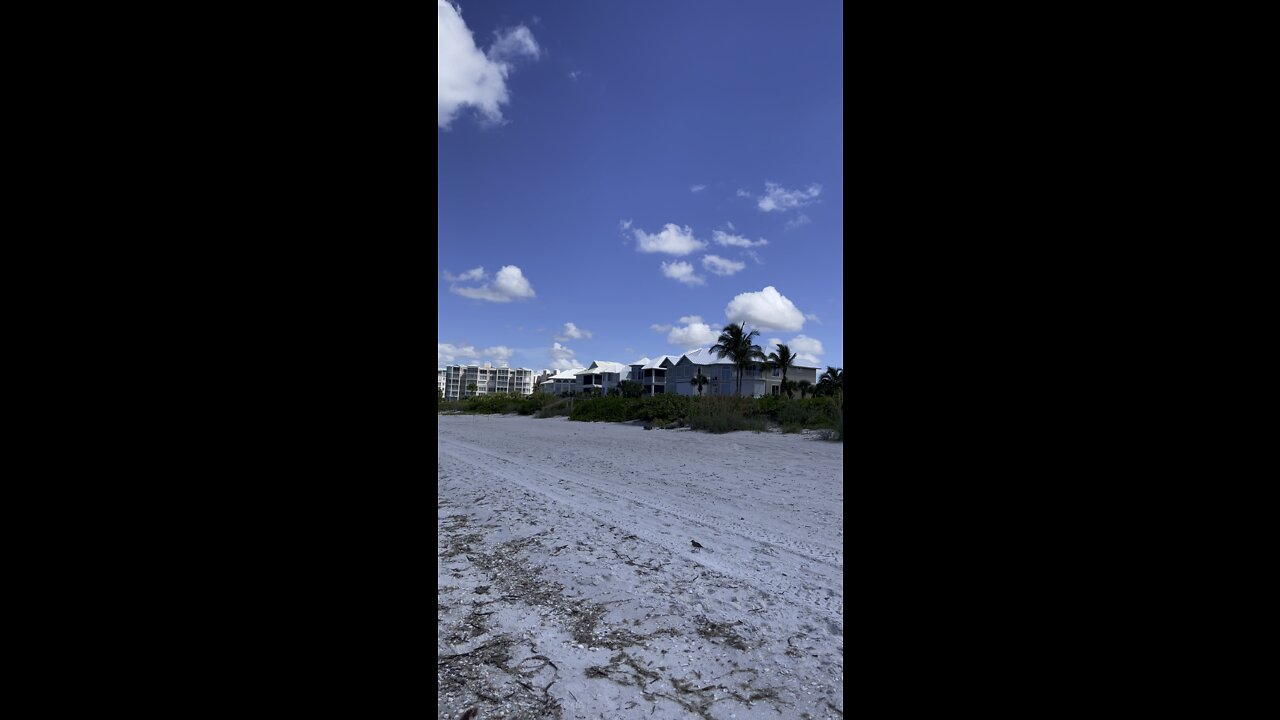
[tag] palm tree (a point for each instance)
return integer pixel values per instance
(782, 359)
(804, 386)
(735, 343)
(832, 381)
(698, 381)
(472, 388)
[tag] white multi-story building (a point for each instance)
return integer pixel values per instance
(758, 380)
(652, 374)
(487, 380)
(563, 382)
(601, 376)
(440, 372)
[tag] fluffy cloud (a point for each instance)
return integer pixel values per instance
(509, 284)
(806, 344)
(571, 332)
(449, 354)
(691, 319)
(723, 238)
(767, 309)
(466, 76)
(697, 188)
(472, 274)
(659, 328)
(781, 199)
(673, 240)
(514, 44)
(720, 266)
(697, 334)
(681, 271)
(743, 193)
(802, 219)
(562, 358)
(807, 349)
(500, 353)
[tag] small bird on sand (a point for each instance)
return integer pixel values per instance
(695, 543)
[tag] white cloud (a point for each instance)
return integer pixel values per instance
(802, 219)
(562, 358)
(813, 317)
(729, 225)
(743, 193)
(512, 282)
(723, 238)
(499, 353)
(720, 266)
(806, 344)
(752, 254)
(514, 44)
(574, 75)
(448, 354)
(806, 349)
(767, 309)
(673, 240)
(571, 332)
(682, 271)
(694, 334)
(781, 199)
(465, 76)
(697, 188)
(687, 319)
(472, 274)
(624, 224)
(659, 328)
(509, 284)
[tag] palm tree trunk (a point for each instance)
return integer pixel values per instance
(739, 381)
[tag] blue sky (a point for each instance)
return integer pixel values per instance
(608, 172)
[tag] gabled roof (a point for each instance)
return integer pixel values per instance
(604, 366)
(662, 361)
(704, 356)
(641, 361)
(570, 374)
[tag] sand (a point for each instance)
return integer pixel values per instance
(569, 586)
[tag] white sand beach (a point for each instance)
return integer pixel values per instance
(569, 586)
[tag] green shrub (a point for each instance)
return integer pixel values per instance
(498, 403)
(810, 412)
(723, 423)
(725, 414)
(676, 407)
(602, 409)
(559, 407)
(768, 406)
(837, 431)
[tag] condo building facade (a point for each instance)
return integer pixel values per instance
(486, 379)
